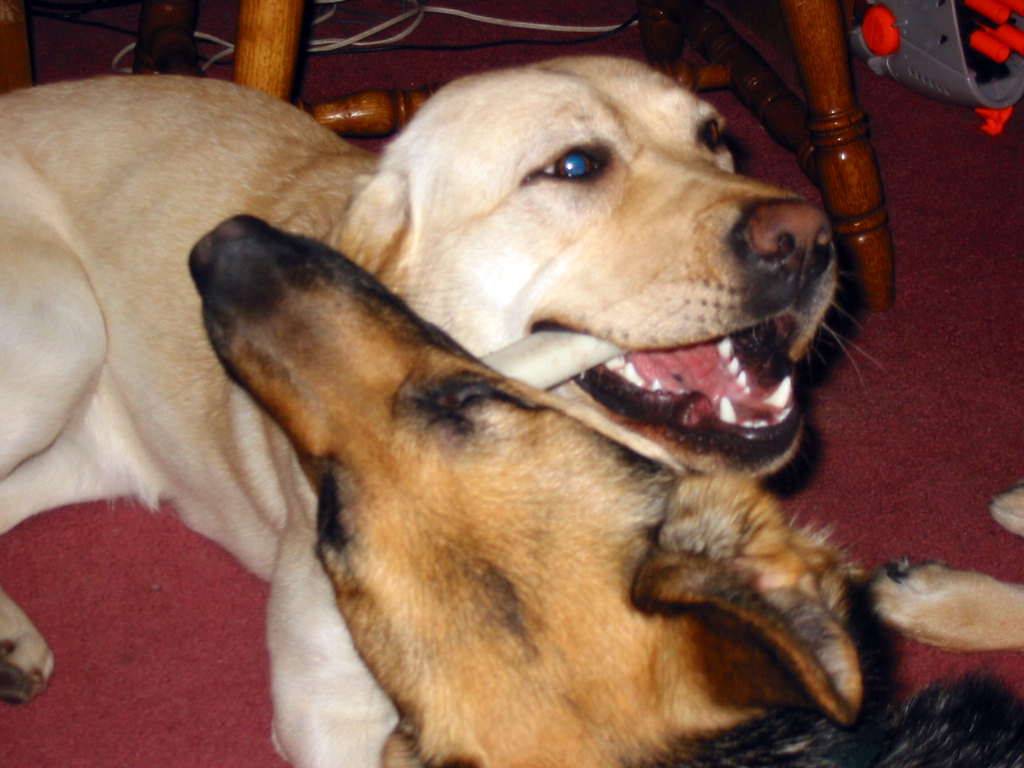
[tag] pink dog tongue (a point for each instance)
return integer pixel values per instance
(688, 369)
(716, 372)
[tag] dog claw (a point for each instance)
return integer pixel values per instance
(902, 570)
(897, 570)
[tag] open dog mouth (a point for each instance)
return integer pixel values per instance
(732, 395)
(743, 381)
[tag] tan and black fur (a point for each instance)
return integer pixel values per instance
(528, 590)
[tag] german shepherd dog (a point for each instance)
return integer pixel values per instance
(531, 592)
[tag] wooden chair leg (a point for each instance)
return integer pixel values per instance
(830, 142)
(166, 42)
(15, 60)
(267, 46)
(266, 50)
(848, 173)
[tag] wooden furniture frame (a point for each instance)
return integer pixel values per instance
(828, 135)
(15, 63)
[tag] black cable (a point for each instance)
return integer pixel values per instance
(72, 12)
(86, 7)
(85, 22)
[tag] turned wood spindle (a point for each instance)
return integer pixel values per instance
(267, 47)
(847, 168)
(371, 113)
(165, 43)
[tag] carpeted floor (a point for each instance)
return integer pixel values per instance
(158, 633)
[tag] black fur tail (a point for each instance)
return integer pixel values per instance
(969, 723)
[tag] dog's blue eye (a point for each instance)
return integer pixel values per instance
(574, 164)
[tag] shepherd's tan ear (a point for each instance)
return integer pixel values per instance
(377, 222)
(768, 603)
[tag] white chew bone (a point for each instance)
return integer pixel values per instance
(547, 358)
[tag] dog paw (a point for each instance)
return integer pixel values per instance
(1008, 509)
(26, 661)
(949, 608)
(25, 668)
(913, 598)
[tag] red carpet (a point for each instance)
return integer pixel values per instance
(158, 634)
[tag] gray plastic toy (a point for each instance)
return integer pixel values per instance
(969, 53)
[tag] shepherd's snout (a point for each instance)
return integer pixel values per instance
(784, 246)
(235, 266)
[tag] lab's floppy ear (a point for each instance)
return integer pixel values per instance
(377, 222)
(764, 605)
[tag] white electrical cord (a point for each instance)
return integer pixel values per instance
(226, 50)
(414, 15)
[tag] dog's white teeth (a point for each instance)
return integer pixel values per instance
(726, 412)
(741, 380)
(725, 348)
(630, 374)
(734, 366)
(657, 387)
(780, 397)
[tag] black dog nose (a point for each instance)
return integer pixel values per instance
(205, 260)
(783, 245)
(236, 265)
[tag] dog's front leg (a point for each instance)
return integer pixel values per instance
(328, 710)
(954, 609)
(951, 609)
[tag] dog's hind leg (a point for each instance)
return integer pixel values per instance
(52, 338)
(52, 345)
(951, 609)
